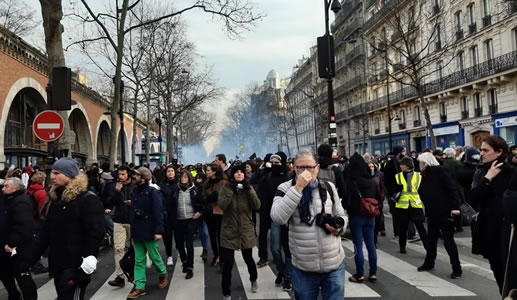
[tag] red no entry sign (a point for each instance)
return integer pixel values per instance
(48, 126)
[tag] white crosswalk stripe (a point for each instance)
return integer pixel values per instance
(424, 281)
(107, 291)
(353, 290)
(191, 289)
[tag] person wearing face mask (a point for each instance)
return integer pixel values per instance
(378, 177)
(238, 200)
(491, 179)
(169, 189)
(466, 171)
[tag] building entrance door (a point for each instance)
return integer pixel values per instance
(477, 137)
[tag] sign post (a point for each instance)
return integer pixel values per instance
(48, 126)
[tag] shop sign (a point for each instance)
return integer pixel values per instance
(446, 130)
(505, 122)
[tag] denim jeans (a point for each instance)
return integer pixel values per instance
(203, 233)
(362, 228)
(279, 240)
(307, 285)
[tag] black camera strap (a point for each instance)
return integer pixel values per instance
(323, 188)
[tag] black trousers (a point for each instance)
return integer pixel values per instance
(497, 266)
(14, 268)
(228, 258)
(265, 225)
(435, 225)
(168, 233)
(411, 214)
(184, 237)
(213, 222)
(71, 284)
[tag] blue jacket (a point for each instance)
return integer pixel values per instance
(146, 213)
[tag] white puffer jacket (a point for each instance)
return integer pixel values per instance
(312, 249)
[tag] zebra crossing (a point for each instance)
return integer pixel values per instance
(397, 279)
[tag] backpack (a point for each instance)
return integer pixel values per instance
(127, 263)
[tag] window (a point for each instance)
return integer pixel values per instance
(478, 105)
(439, 68)
(486, 8)
(492, 101)
(416, 115)
(376, 93)
(461, 60)
(438, 39)
(514, 37)
(457, 17)
(443, 109)
(464, 103)
(489, 49)
(377, 124)
(474, 55)
(472, 13)
(403, 116)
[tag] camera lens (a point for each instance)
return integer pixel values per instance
(339, 222)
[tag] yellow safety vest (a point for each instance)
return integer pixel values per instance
(409, 194)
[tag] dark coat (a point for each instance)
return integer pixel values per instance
(391, 169)
(107, 189)
(18, 233)
(267, 185)
(169, 190)
(117, 201)
(465, 176)
(339, 178)
(146, 213)
(510, 217)
(488, 197)
(438, 192)
(74, 227)
(238, 229)
(368, 188)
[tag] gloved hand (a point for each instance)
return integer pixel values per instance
(89, 264)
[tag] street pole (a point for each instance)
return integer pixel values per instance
(390, 140)
(121, 114)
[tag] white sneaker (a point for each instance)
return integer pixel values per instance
(169, 261)
(227, 297)
(254, 287)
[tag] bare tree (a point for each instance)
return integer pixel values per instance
(236, 15)
(414, 46)
(17, 16)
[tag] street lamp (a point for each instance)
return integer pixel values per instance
(121, 115)
(327, 67)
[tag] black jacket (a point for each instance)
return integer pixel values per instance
(465, 176)
(368, 188)
(17, 229)
(438, 192)
(146, 213)
(74, 227)
(488, 197)
(117, 201)
(391, 169)
(510, 217)
(169, 190)
(268, 182)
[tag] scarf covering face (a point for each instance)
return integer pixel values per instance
(305, 203)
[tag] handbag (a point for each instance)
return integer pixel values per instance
(369, 207)
(216, 210)
(127, 263)
(476, 235)
(467, 212)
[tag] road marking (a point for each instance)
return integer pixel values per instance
(430, 284)
(188, 289)
(266, 280)
(47, 291)
(107, 291)
(49, 126)
(358, 290)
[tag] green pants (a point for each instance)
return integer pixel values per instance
(141, 248)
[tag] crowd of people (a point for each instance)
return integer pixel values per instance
(304, 207)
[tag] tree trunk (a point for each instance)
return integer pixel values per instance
(170, 132)
(429, 125)
(134, 139)
(52, 13)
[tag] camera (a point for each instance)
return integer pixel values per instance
(139, 214)
(322, 219)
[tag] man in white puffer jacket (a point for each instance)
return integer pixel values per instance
(317, 254)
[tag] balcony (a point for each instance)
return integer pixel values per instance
(344, 13)
(478, 112)
(464, 115)
(387, 129)
(372, 79)
(355, 25)
(417, 123)
(436, 10)
(443, 118)
(487, 21)
(377, 130)
(459, 35)
(472, 28)
(358, 51)
(389, 7)
(492, 108)
(396, 36)
(402, 126)
(350, 85)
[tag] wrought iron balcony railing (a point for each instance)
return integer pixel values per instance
(417, 123)
(465, 114)
(472, 28)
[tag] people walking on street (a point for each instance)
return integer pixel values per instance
(329, 169)
(146, 230)
(38, 196)
(317, 253)
(188, 211)
(510, 219)
(438, 191)
(120, 200)
(392, 168)
(471, 160)
(16, 224)
(201, 226)
(169, 189)
(214, 213)
(360, 184)
(378, 177)
(238, 200)
(409, 206)
(73, 230)
(490, 181)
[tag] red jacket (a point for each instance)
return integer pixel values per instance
(39, 193)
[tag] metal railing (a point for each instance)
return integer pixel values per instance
(348, 8)
(388, 8)
(355, 25)
(350, 85)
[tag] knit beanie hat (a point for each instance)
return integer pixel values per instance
(407, 161)
(470, 152)
(66, 166)
(236, 168)
(397, 150)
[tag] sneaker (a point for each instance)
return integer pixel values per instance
(135, 294)
(227, 297)
(190, 274)
(262, 263)
(254, 287)
(118, 281)
(163, 281)
(169, 261)
(279, 279)
(413, 239)
(287, 286)
(424, 268)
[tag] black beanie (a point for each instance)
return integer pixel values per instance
(407, 161)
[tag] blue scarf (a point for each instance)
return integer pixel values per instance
(305, 203)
